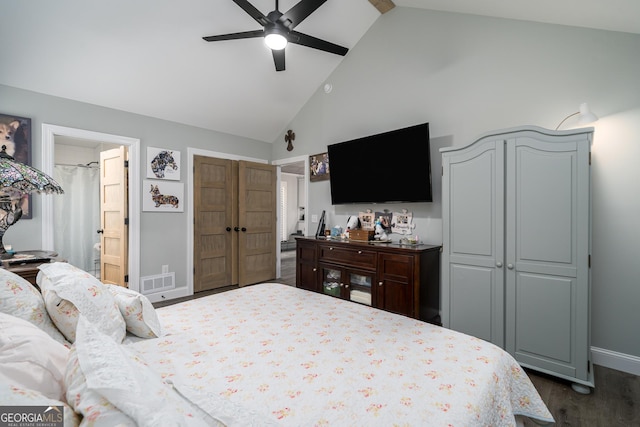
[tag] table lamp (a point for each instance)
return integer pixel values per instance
(16, 180)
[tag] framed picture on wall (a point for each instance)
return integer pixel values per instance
(162, 196)
(15, 136)
(163, 164)
(319, 167)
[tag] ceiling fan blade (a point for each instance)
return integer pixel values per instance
(299, 12)
(235, 36)
(313, 42)
(251, 10)
(278, 59)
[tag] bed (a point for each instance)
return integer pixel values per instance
(272, 354)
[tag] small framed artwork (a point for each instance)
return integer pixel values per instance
(366, 220)
(402, 222)
(163, 164)
(15, 135)
(162, 196)
(319, 167)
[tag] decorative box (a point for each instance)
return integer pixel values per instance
(363, 235)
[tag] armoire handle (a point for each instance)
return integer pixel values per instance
(244, 229)
(236, 228)
(498, 264)
(228, 228)
(510, 266)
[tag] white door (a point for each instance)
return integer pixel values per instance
(473, 241)
(547, 254)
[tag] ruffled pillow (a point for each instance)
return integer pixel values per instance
(138, 312)
(69, 292)
(21, 299)
(30, 358)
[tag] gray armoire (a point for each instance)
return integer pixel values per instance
(517, 245)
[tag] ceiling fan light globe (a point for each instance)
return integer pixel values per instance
(275, 41)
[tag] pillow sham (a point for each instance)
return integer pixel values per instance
(17, 395)
(30, 358)
(69, 291)
(21, 299)
(121, 376)
(138, 312)
(95, 409)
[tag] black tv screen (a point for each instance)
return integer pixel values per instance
(389, 167)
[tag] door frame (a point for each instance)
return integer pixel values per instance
(279, 163)
(191, 153)
(49, 132)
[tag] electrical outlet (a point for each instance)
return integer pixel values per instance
(165, 269)
(314, 218)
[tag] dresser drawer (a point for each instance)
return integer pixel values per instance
(352, 257)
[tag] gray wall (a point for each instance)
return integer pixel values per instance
(162, 235)
(467, 75)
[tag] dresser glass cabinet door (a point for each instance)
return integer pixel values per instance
(347, 284)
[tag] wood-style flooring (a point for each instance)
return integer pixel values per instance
(615, 401)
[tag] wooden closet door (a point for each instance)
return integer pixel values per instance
(257, 220)
(214, 219)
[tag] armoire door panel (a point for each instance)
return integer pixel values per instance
(545, 205)
(473, 205)
(544, 304)
(474, 303)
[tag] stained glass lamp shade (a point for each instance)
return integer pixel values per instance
(16, 180)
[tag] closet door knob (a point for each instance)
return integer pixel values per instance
(228, 228)
(244, 229)
(236, 229)
(510, 266)
(498, 264)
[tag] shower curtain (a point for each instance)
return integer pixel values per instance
(77, 216)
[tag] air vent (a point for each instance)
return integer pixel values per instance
(157, 283)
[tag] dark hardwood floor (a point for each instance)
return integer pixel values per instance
(615, 401)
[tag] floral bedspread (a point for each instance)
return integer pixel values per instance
(303, 359)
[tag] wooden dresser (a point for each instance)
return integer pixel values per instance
(397, 278)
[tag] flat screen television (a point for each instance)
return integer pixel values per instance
(389, 167)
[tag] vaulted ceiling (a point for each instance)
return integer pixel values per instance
(148, 56)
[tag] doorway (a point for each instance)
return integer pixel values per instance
(52, 135)
(296, 218)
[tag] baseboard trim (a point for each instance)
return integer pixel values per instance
(614, 360)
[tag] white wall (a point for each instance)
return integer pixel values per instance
(467, 75)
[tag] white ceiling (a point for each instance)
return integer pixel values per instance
(148, 57)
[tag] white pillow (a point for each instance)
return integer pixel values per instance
(120, 375)
(16, 395)
(95, 409)
(69, 291)
(30, 358)
(138, 312)
(21, 299)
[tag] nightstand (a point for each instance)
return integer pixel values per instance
(27, 267)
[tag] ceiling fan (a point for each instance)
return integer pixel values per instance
(278, 30)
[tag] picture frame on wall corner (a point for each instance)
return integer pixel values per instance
(15, 134)
(163, 164)
(319, 167)
(162, 196)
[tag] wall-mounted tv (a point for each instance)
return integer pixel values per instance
(389, 167)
